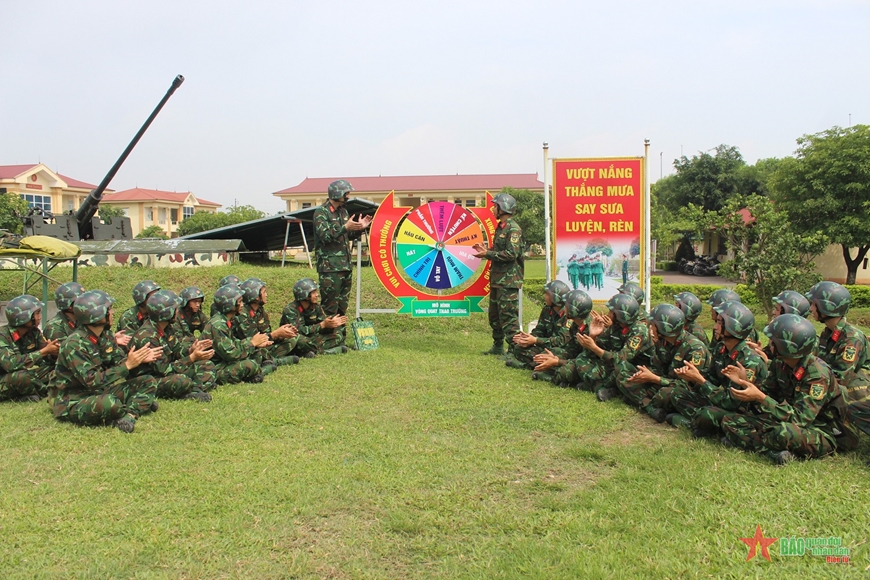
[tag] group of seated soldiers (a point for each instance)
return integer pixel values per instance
(163, 346)
(801, 396)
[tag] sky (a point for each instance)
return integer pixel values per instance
(279, 91)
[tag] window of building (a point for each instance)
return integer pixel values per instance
(306, 205)
(41, 201)
(470, 203)
(161, 215)
(186, 212)
(149, 214)
(173, 215)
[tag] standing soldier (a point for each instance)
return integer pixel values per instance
(800, 410)
(132, 318)
(506, 272)
(584, 267)
(191, 318)
(64, 322)
(92, 384)
(233, 358)
(597, 270)
(333, 231)
(574, 272)
(551, 329)
(183, 371)
(624, 269)
(254, 319)
(317, 332)
(26, 359)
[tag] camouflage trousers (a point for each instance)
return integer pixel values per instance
(199, 376)
(132, 397)
(637, 394)
(236, 372)
(525, 355)
(719, 404)
(587, 372)
(335, 295)
(759, 434)
(859, 415)
(504, 310)
(25, 382)
(306, 344)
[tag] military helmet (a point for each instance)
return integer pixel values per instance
(633, 289)
(690, 305)
(251, 289)
(737, 320)
(668, 319)
(303, 288)
(91, 307)
(66, 294)
(792, 336)
(339, 188)
(831, 299)
(21, 309)
(793, 303)
(505, 203)
(231, 279)
(161, 306)
(190, 293)
(723, 295)
(557, 290)
(226, 298)
(578, 304)
(624, 307)
(143, 289)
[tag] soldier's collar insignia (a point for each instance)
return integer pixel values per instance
(229, 323)
(582, 327)
(836, 336)
(139, 316)
(16, 336)
(733, 355)
(799, 373)
(301, 309)
(625, 330)
(71, 324)
(722, 349)
(160, 333)
(92, 338)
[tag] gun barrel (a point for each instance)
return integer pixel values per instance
(89, 206)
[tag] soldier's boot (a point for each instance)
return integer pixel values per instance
(606, 394)
(780, 457)
(336, 350)
(287, 360)
(267, 367)
(513, 363)
(726, 442)
(154, 406)
(658, 414)
(677, 420)
(542, 376)
(258, 378)
(29, 399)
(701, 433)
(310, 354)
(497, 348)
(198, 396)
(126, 423)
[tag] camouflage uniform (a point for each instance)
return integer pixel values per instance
(845, 350)
(59, 327)
(312, 338)
(332, 241)
(505, 275)
(551, 330)
(233, 357)
(177, 376)
(63, 323)
(804, 412)
(190, 323)
(24, 371)
(130, 320)
(691, 307)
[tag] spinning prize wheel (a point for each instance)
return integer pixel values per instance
(424, 257)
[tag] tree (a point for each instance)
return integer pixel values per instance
(203, 221)
(12, 206)
(107, 211)
(769, 255)
(530, 214)
(599, 246)
(153, 232)
(826, 188)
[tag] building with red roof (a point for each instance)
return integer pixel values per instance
(44, 188)
(153, 207)
(412, 190)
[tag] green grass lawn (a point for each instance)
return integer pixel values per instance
(420, 459)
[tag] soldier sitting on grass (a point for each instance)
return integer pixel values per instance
(254, 319)
(318, 333)
(560, 360)
(800, 409)
(191, 319)
(132, 318)
(26, 358)
(234, 358)
(183, 371)
(64, 322)
(550, 332)
(92, 384)
(691, 306)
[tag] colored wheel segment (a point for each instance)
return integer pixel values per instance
(433, 245)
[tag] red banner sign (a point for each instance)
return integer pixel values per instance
(598, 223)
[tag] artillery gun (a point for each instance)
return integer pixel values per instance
(83, 224)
